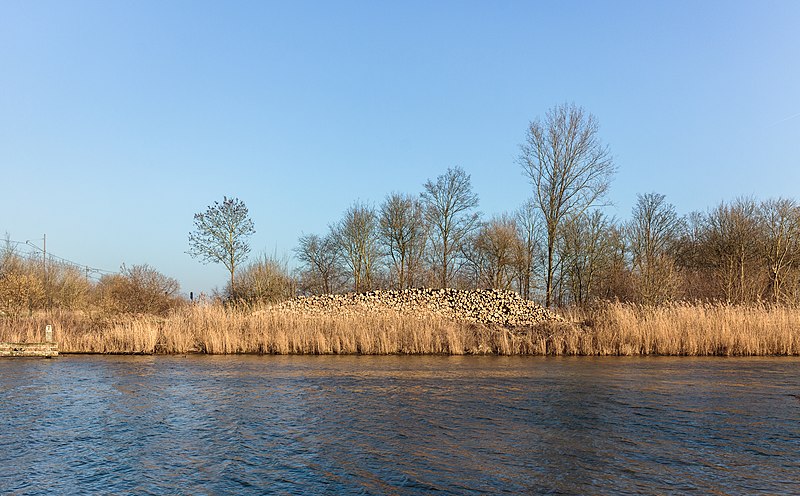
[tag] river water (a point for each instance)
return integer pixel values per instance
(399, 425)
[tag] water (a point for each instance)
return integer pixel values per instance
(399, 425)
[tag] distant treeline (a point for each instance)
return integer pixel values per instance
(741, 251)
(559, 247)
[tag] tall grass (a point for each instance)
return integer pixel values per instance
(691, 329)
(609, 329)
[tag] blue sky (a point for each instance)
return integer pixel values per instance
(120, 120)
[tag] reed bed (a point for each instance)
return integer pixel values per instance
(608, 329)
(690, 329)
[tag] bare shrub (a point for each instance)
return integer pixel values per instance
(20, 292)
(266, 280)
(138, 289)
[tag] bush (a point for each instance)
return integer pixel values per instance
(138, 289)
(19, 292)
(266, 280)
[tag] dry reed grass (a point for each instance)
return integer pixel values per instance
(609, 329)
(691, 329)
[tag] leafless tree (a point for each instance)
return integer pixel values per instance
(357, 238)
(586, 254)
(570, 170)
(495, 248)
(615, 280)
(653, 233)
(731, 246)
(780, 243)
(449, 209)
(220, 234)
(402, 232)
(322, 261)
(529, 247)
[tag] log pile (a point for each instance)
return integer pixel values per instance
(487, 307)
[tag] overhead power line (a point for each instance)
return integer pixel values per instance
(93, 272)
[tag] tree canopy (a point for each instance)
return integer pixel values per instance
(221, 234)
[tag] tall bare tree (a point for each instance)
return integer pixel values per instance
(357, 238)
(402, 234)
(570, 170)
(449, 209)
(220, 235)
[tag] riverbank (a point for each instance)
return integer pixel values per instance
(608, 329)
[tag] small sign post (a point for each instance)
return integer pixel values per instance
(48, 334)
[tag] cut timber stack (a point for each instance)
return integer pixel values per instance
(487, 307)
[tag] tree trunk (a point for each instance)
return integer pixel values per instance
(549, 290)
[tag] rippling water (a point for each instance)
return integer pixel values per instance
(399, 425)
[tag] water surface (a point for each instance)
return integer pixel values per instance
(399, 425)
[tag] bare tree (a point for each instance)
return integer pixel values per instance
(322, 261)
(586, 251)
(614, 280)
(570, 170)
(653, 233)
(403, 235)
(731, 247)
(781, 242)
(528, 249)
(449, 204)
(357, 238)
(496, 246)
(221, 233)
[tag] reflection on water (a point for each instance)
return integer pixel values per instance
(399, 425)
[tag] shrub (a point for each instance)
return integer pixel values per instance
(266, 280)
(138, 289)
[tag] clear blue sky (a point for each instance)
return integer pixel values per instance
(120, 120)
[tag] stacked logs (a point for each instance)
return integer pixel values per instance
(487, 307)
